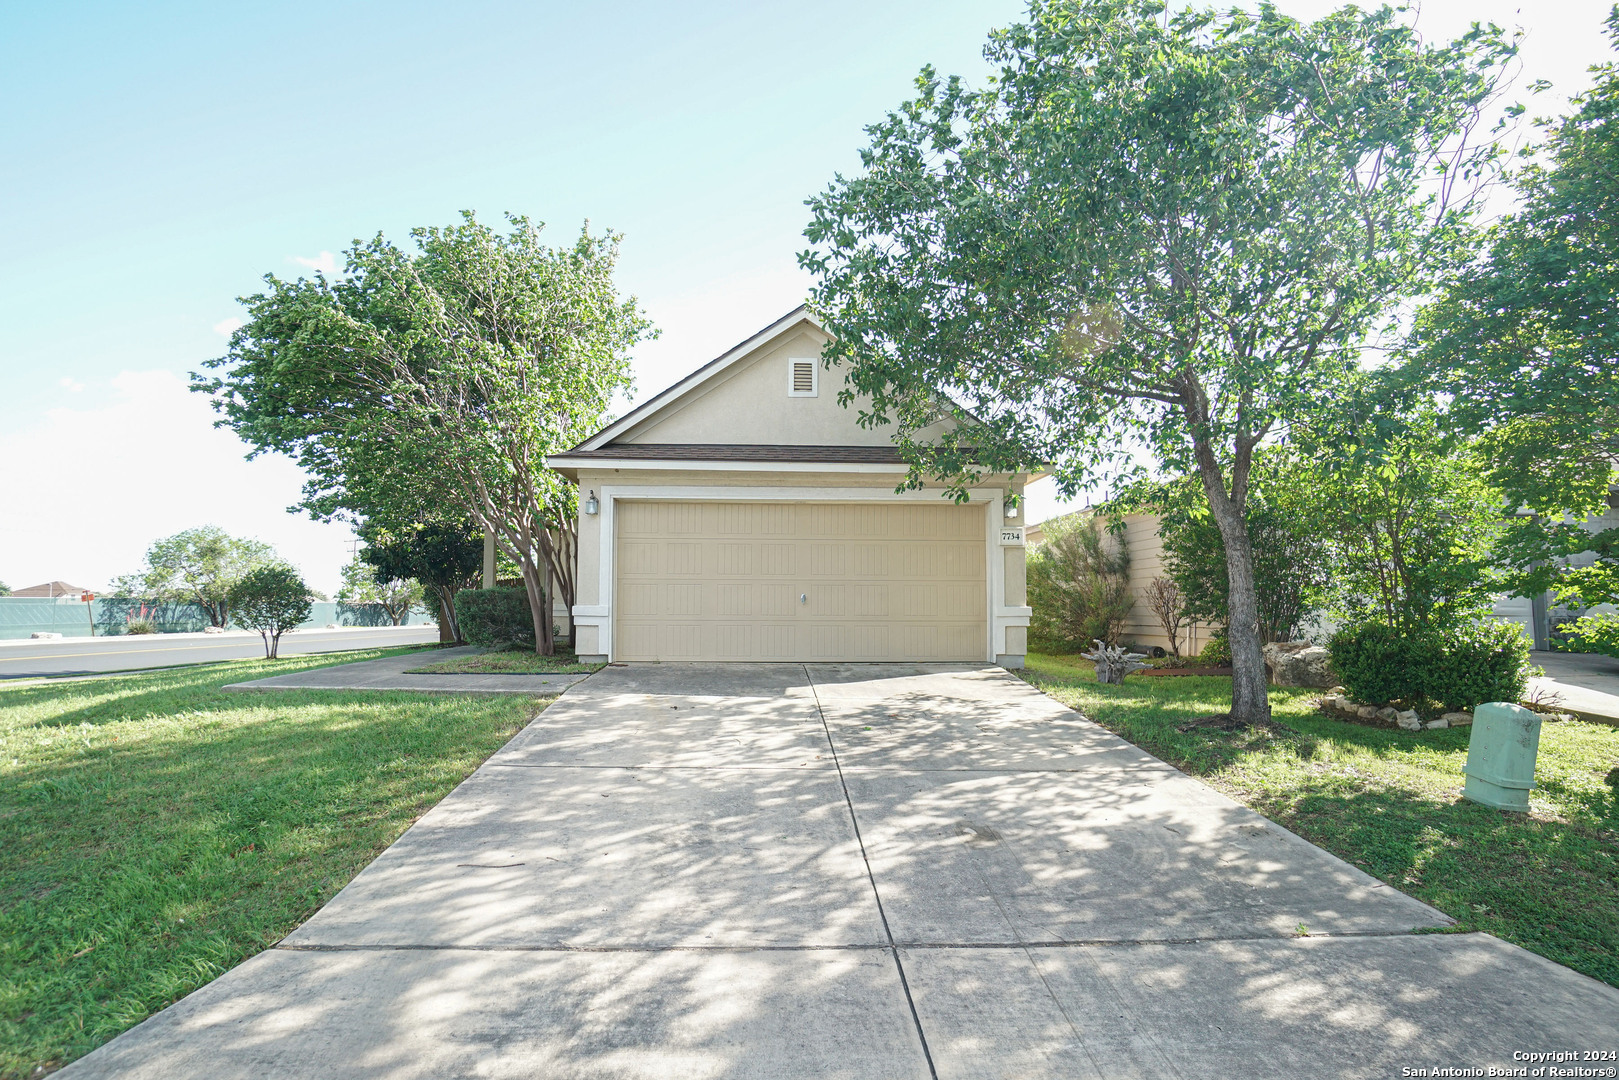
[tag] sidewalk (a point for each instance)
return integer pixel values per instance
(390, 673)
(1586, 684)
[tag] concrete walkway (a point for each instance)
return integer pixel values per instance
(391, 673)
(1584, 684)
(855, 871)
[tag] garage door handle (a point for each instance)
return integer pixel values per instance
(803, 598)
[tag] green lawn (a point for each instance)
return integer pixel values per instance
(1390, 802)
(155, 832)
(510, 662)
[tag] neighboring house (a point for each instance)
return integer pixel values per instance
(743, 514)
(51, 589)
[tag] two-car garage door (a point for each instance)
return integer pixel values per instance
(800, 581)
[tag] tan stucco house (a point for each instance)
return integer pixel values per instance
(744, 515)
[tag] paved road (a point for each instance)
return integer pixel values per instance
(845, 871)
(88, 656)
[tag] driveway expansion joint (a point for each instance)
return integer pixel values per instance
(899, 965)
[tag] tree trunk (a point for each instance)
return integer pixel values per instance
(539, 607)
(448, 631)
(1250, 688)
(562, 560)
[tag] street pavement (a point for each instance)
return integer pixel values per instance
(841, 871)
(89, 656)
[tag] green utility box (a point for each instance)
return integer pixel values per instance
(1501, 756)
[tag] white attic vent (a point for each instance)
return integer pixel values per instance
(802, 377)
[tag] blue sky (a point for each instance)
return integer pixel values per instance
(156, 160)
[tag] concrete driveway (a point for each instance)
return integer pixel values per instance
(856, 871)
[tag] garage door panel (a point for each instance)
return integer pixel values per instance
(828, 560)
(884, 581)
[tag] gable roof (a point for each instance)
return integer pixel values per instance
(714, 367)
(50, 588)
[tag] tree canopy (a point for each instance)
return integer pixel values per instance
(1525, 340)
(363, 583)
(1169, 231)
(271, 599)
(440, 378)
(444, 556)
(197, 566)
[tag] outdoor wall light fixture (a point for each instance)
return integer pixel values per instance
(591, 505)
(1011, 509)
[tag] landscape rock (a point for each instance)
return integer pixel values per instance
(1391, 714)
(1405, 716)
(1412, 724)
(1367, 712)
(46, 635)
(1298, 663)
(214, 630)
(1439, 723)
(1457, 719)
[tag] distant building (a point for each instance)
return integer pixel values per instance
(51, 589)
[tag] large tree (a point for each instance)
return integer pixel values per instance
(197, 566)
(442, 377)
(1150, 230)
(1525, 342)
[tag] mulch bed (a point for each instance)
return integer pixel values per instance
(1224, 722)
(1171, 671)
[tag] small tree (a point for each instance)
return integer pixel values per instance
(364, 583)
(445, 556)
(1412, 525)
(198, 566)
(1165, 599)
(1079, 585)
(271, 600)
(5, 590)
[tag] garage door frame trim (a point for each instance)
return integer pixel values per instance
(999, 616)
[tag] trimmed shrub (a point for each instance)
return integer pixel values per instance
(1487, 661)
(495, 618)
(1379, 664)
(1455, 669)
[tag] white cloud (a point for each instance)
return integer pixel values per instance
(227, 327)
(325, 262)
(101, 482)
(72, 385)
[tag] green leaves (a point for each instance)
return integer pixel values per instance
(439, 379)
(1524, 340)
(1167, 233)
(272, 599)
(197, 566)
